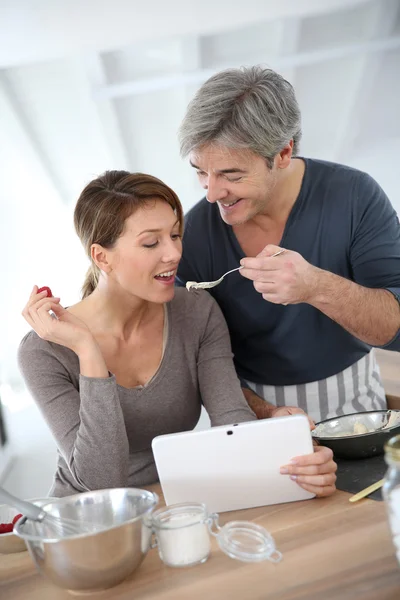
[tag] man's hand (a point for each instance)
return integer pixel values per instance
(264, 410)
(284, 279)
(315, 472)
(284, 411)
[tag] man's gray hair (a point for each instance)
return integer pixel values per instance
(250, 107)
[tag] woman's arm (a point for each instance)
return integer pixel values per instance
(87, 423)
(85, 418)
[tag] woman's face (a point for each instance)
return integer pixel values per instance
(145, 257)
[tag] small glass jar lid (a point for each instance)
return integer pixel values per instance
(247, 542)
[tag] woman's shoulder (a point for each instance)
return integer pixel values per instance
(31, 342)
(33, 351)
(197, 302)
(192, 307)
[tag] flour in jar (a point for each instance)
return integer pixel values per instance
(185, 541)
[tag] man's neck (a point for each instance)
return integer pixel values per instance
(284, 197)
(268, 227)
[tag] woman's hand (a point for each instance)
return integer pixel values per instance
(66, 329)
(314, 472)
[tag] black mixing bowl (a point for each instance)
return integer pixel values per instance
(358, 435)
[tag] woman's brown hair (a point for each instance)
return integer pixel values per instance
(106, 203)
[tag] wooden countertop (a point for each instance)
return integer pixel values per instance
(331, 549)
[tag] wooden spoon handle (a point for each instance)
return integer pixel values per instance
(372, 488)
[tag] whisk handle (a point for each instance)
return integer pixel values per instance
(26, 508)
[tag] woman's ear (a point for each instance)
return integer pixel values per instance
(100, 258)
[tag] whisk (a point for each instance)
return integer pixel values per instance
(53, 526)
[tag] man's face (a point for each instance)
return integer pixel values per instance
(238, 180)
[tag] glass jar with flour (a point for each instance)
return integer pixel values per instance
(391, 489)
(183, 531)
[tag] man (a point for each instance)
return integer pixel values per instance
(302, 323)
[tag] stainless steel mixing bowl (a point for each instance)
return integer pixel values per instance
(359, 435)
(94, 561)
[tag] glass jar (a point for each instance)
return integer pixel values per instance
(183, 531)
(391, 489)
(182, 536)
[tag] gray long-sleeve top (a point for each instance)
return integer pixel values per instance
(104, 431)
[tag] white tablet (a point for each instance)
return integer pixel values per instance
(233, 466)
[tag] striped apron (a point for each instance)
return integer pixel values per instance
(356, 389)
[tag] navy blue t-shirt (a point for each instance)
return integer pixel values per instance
(342, 222)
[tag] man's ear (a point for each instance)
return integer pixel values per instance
(284, 156)
(100, 257)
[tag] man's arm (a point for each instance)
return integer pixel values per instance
(367, 307)
(264, 410)
(260, 407)
(372, 316)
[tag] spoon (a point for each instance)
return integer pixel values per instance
(205, 285)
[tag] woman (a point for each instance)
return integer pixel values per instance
(136, 357)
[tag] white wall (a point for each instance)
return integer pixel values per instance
(378, 160)
(33, 454)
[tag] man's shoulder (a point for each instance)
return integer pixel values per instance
(349, 188)
(336, 171)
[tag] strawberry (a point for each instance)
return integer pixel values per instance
(47, 289)
(15, 519)
(6, 527)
